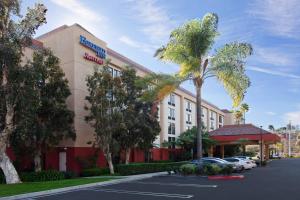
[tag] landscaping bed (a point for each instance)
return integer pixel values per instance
(143, 168)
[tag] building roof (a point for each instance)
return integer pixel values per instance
(239, 129)
(234, 133)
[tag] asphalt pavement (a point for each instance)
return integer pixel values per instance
(280, 180)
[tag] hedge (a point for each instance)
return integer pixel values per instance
(142, 168)
(94, 172)
(48, 175)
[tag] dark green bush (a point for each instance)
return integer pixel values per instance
(94, 172)
(188, 169)
(227, 170)
(141, 168)
(49, 175)
(70, 175)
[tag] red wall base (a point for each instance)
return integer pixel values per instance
(75, 154)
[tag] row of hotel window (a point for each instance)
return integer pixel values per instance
(171, 101)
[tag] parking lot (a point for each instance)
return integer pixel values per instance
(279, 180)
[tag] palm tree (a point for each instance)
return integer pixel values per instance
(238, 116)
(244, 108)
(189, 47)
(271, 128)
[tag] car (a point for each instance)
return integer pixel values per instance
(247, 159)
(243, 162)
(222, 163)
(275, 156)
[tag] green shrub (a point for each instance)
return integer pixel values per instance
(49, 175)
(70, 175)
(212, 169)
(227, 170)
(94, 172)
(142, 168)
(188, 169)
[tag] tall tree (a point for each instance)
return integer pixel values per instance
(43, 118)
(140, 125)
(104, 109)
(238, 116)
(15, 35)
(244, 108)
(189, 46)
(271, 127)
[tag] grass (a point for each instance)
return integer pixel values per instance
(8, 190)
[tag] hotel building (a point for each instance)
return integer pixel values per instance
(79, 52)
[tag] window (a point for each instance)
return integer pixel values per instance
(220, 119)
(188, 118)
(212, 125)
(188, 106)
(187, 128)
(171, 139)
(202, 112)
(212, 116)
(116, 73)
(171, 114)
(111, 71)
(171, 128)
(171, 100)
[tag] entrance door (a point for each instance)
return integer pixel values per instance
(62, 161)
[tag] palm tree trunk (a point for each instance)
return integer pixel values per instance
(199, 121)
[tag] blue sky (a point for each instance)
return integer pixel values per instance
(137, 28)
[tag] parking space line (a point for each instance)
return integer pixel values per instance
(176, 184)
(180, 196)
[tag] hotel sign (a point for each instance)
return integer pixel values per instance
(100, 52)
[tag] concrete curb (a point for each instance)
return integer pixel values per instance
(78, 187)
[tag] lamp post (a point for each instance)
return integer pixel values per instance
(261, 146)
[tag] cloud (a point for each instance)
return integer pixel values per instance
(276, 57)
(132, 43)
(293, 117)
(79, 9)
(281, 17)
(154, 20)
(271, 113)
(273, 72)
(129, 41)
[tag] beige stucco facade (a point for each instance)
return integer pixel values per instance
(65, 44)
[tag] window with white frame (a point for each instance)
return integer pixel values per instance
(171, 114)
(188, 118)
(171, 128)
(171, 139)
(171, 100)
(188, 106)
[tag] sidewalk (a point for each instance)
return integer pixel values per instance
(78, 187)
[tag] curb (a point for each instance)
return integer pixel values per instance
(236, 177)
(78, 187)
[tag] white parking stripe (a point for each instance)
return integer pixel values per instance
(176, 184)
(181, 196)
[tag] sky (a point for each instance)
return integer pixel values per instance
(136, 28)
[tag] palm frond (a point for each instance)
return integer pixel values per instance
(189, 43)
(160, 85)
(228, 66)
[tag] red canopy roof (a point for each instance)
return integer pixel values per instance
(233, 133)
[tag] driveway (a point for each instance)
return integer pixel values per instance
(280, 180)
